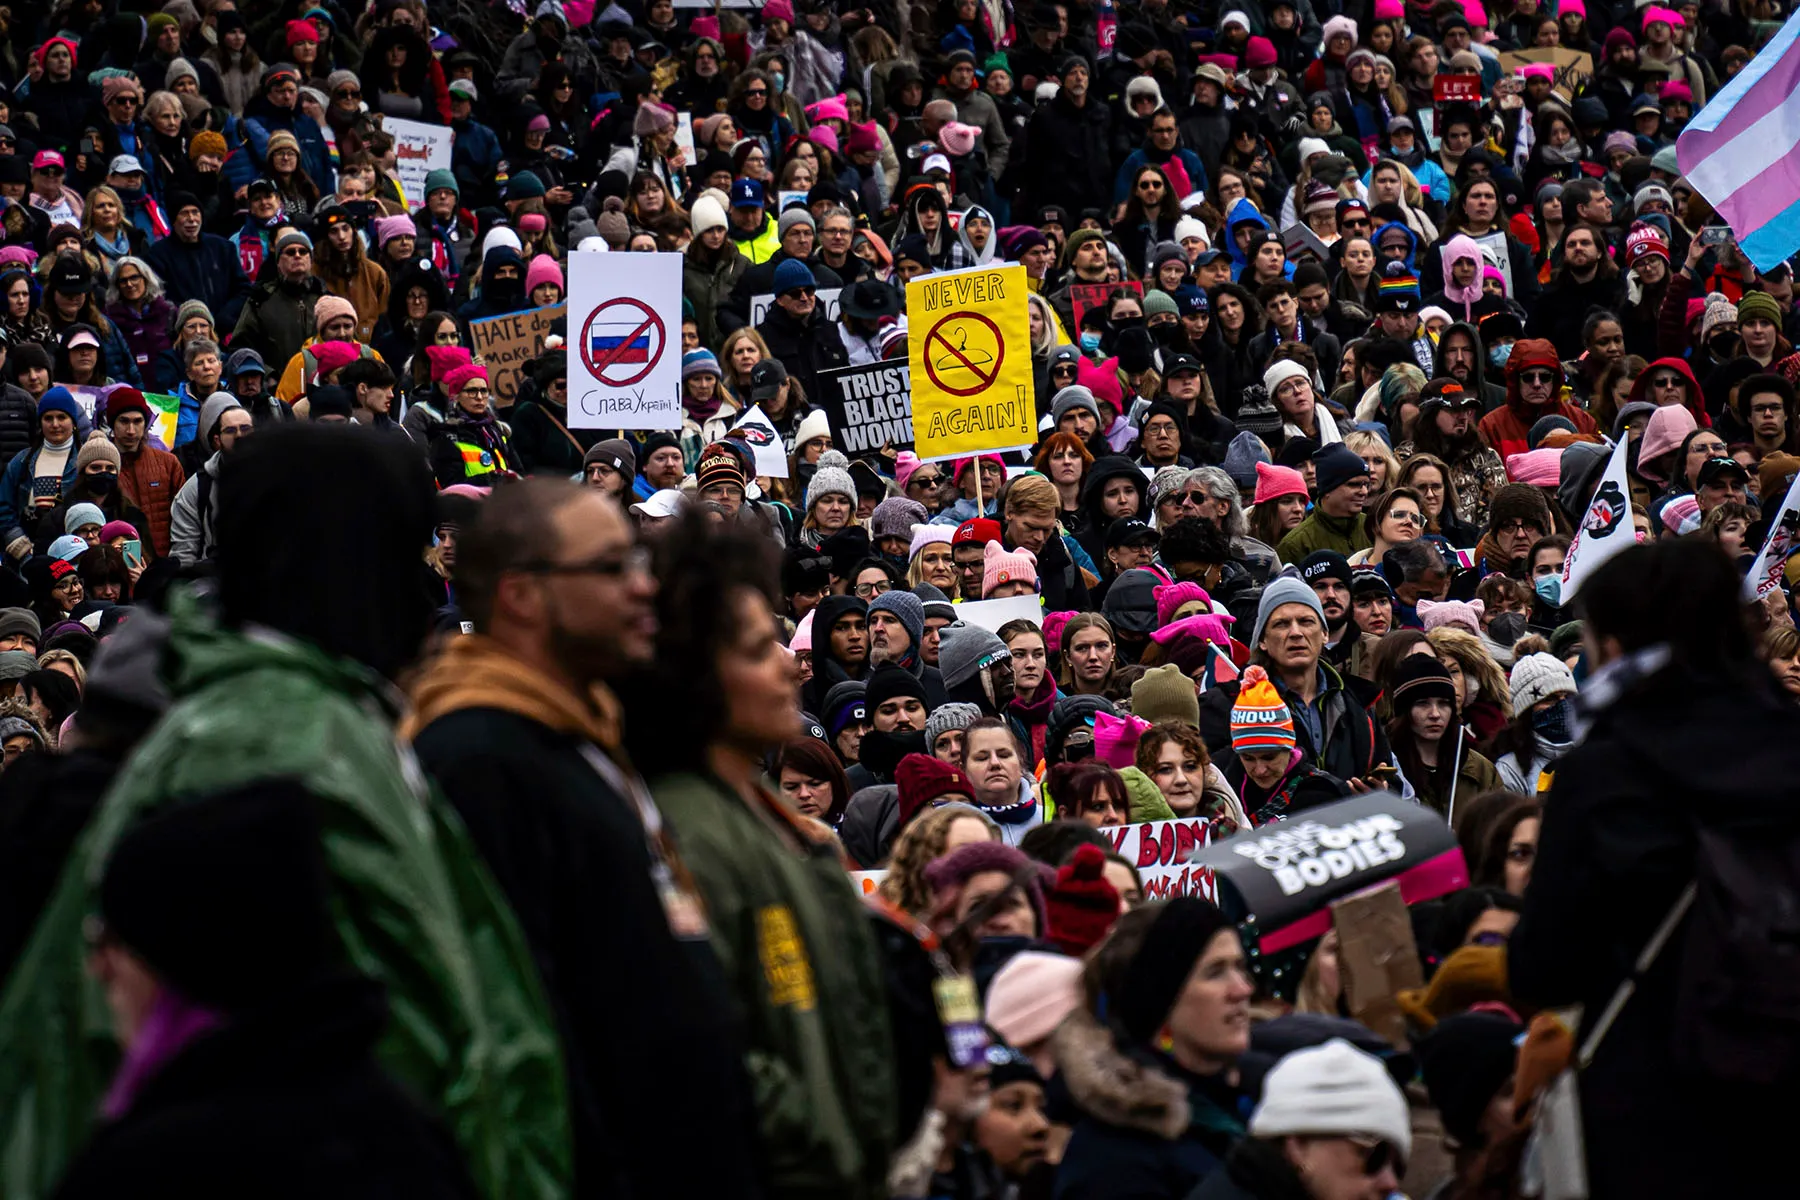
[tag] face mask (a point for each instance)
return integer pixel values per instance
(778, 81)
(1499, 354)
(102, 484)
(1168, 333)
(1090, 342)
(1550, 588)
(1555, 724)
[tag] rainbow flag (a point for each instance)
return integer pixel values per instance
(163, 412)
(1742, 152)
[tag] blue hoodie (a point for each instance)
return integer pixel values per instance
(1412, 241)
(1243, 212)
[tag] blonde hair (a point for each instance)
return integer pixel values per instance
(919, 845)
(64, 656)
(1474, 660)
(1362, 442)
(1031, 493)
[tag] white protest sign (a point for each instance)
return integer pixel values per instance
(625, 321)
(1784, 534)
(765, 443)
(827, 309)
(992, 614)
(419, 149)
(684, 133)
(1160, 851)
(1606, 527)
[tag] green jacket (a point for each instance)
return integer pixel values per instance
(470, 1030)
(1320, 532)
(795, 943)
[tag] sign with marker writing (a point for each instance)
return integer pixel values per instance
(625, 321)
(970, 354)
(419, 149)
(868, 407)
(506, 343)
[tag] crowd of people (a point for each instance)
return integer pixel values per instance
(407, 791)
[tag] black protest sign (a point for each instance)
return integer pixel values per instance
(1285, 876)
(869, 407)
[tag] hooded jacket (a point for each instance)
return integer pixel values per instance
(1243, 212)
(413, 904)
(1508, 428)
(498, 297)
(1492, 394)
(1068, 157)
(1696, 398)
(1470, 306)
(1094, 522)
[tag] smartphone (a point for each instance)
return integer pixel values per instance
(133, 551)
(1385, 773)
(1715, 235)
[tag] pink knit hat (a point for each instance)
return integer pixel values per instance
(1031, 995)
(445, 359)
(459, 377)
(778, 10)
(905, 463)
(1116, 739)
(1103, 381)
(864, 139)
(831, 108)
(389, 228)
(329, 308)
(1000, 565)
(1171, 596)
(542, 269)
(958, 139)
(823, 136)
(1273, 482)
(928, 535)
(1668, 426)
(1539, 468)
(801, 642)
(1390, 10)
(1053, 629)
(1457, 614)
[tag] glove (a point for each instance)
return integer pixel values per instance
(19, 548)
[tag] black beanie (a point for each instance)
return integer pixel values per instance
(1160, 969)
(1420, 677)
(890, 681)
(224, 897)
(1136, 349)
(1465, 1061)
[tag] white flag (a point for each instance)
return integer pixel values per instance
(1784, 536)
(771, 455)
(1606, 527)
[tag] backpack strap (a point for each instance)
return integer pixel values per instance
(204, 497)
(1628, 985)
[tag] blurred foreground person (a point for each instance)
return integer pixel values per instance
(289, 679)
(248, 1047)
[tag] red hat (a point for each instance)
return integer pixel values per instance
(1645, 241)
(125, 399)
(980, 530)
(301, 31)
(922, 779)
(1081, 906)
(1259, 52)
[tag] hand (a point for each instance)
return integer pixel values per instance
(134, 572)
(1359, 786)
(559, 195)
(1695, 253)
(43, 502)
(19, 548)
(678, 160)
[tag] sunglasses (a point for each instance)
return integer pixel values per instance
(1666, 381)
(295, 252)
(924, 481)
(356, 94)
(1149, 185)
(803, 293)
(1536, 377)
(1378, 1155)
(756, 92)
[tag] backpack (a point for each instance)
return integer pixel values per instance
(1737, 1003)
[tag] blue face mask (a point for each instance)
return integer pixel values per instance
(1090, 342)
(1556, 723)
(1499, 354)
(1550, 588)
(778, 81)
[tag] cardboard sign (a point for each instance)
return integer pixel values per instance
(1161, 851)
(969, 346)
(1378, 957)
(1083, 296)
(504, 344)
(827, 307)
(1456, 89)
(625, 323)
(868, 407)
(419, 149)
(1573, 68)
(1287, 874)
(756, 430)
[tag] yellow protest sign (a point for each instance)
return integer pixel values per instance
(969, 347)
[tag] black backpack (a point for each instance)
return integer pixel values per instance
(1737, 1005)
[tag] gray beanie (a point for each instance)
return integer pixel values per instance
(895, 517)
(946, 717)
(833, 475)
(792, 217)
(1241, 457)
(11, 727)
(906, 606)
(216, 406)
(1073, 396)
(20, 620)
(936, 603)
(963, 648)
(1285, 590)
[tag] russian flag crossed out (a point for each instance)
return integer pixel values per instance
(613, 344)
(1742, 152)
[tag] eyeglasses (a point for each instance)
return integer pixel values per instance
(600, 471)
(475, 393)
(865, 590)
(122, 280)
(1537, 377)
(1378, 1155)
(1516, 525)
(296, 252)
(1406, 518)
(800, 293)
(921, 480)
(123, 100)
(635, 560)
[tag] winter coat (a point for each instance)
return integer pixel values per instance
(1094, 522)
(1148, 1129)
(1320, 531)
(413, 905)
(1303, 787)
(805, 350)
(15, 491)
(465, 451)
(18, 420)
(1068, 156)
(191, 537)
(1354, 744)
(1508, 428)
(1475, 776)
(296, 1084)
(1492, 394)
(707, 285)
(757, 247)
(207, 270)
(115, 356)
(1060, 582)
(367, 291)
(975, 107)
(798, 956)
(261, 120)
(526, 765)
(151, 479)
(1682, 746)
(1561, 308)
(278, 318)
(146, 332)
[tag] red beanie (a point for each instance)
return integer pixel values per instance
(922, 779)
(1081, 906)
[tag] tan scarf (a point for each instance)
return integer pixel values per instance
(474, 671)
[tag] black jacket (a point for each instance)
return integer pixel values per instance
(1354, 742)
(207, 270)
(645, 1016)
(287, 1103)
(1068, 157)
(1615, 849)
(1562, 307)
(1059, 579)
(805, 350)
(18, 420)
(1095, 524)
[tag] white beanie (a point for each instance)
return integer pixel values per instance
(813, 426)
(707, 214)
(929, 535)
(1538, 677)
(833, 475)
(1310, 146)
(1334, 1089)
(593, 244)
(1280, 372)
(1188, 227)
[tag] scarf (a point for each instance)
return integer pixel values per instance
(1569, 152)
(173, 1024)
(1012, 814)
(1457, 248)
(474, 671)
(1035, 715)
(703, 411)
(115, 247)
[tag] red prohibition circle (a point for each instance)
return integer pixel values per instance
(937, 335)
(597, 364)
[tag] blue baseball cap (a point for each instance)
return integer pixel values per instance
(746, 193)
(1190, 300)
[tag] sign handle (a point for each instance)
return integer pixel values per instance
(980, 504)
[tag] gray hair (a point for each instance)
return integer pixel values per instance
(153, 284)
(1415, 559)
(838, 210)
(1220, 486)
(200, 346)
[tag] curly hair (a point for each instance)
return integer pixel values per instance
(919, 845)
(1475, 661)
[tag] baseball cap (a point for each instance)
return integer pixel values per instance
(260, 185)
(1182, 362)
(47, 158)
(980, 530)
(464, 88)
(1207, 258)
(1712, 468)
(83, 337)
(936, 162)
(126, 164)
(766, 378)
(663, 503)
(1131, 533)
(746, 193)
(70, 276)
(1399, 122)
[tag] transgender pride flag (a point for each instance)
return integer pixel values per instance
(1742, 152)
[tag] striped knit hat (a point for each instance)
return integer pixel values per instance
(1259, 720)
(1398, 290)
